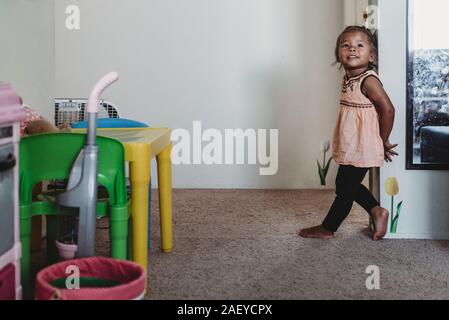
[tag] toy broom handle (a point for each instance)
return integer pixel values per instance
(103, 83)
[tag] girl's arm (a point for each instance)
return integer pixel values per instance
(375, 92)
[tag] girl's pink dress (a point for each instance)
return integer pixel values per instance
(357, 140)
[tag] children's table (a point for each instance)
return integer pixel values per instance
(141, 145)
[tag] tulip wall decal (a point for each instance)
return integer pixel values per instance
(323, 169)
(392, 189)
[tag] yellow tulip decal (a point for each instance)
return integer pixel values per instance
(392, 189)
(391, 186)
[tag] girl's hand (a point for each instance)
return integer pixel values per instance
(388, 149)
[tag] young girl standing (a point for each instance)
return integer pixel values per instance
(361, 135)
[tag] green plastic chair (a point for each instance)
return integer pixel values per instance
(50, 157)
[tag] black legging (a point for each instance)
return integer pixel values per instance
(349, 188)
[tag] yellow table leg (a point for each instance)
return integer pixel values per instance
(140, 181)
(165, 198)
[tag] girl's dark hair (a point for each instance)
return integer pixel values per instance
(371, 37)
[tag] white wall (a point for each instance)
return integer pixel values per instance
(26, 54)
(229, 63)
(425, 213)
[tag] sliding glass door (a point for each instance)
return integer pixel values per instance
(427, 85)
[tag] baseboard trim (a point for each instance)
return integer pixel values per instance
(419, 236)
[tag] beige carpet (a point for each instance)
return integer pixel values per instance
(242, 244)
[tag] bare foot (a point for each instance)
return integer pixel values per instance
(380, 220)
(316, 232)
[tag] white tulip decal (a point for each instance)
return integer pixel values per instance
(322, 169)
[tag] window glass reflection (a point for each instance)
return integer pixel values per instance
(428, 84)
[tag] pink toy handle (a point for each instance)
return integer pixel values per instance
(103, 83)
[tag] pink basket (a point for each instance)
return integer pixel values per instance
(128, 277)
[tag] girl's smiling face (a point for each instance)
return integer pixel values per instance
(355, 52)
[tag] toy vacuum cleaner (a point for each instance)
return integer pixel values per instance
(82, 185)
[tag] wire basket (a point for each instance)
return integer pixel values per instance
(68, 111)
